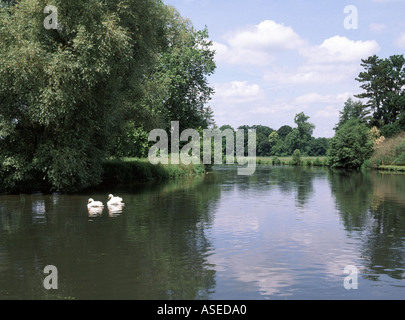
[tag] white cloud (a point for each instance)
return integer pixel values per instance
(238, 92)
(252, 46)
(267, 35)
(400, 41)
(336, 60)
(340, 49)
(304, 77)
(315, 97)
(333, 62)
(241, 56)
(313, 74)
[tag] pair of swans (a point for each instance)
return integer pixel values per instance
(114, 204)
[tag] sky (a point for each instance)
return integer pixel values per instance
(277, 58)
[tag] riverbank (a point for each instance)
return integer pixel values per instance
(133, 170)
(304, 161)
(392, 168)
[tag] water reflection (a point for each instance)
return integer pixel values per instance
(95, 212)
(372, 207)
(38, 211)
(282, 233)
(155, 248)
(115, 210)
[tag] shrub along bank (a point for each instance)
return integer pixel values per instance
(141, 170)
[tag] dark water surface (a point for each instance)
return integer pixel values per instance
(283, 233)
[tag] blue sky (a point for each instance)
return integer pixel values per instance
(278, 58)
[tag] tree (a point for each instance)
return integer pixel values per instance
(296, 157)
(318, 147)
(284, 131)
(262, 140)
(174, 88)
(351, 110)
(384, 83)
(65, 91)
(351, 145)
(181, 74)
(301, 136)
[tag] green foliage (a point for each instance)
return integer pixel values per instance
(384, 83)
(400, 154)
(317, 163)
(296, 157)
(366, 164)
(351, 145)
(262, 139)
(177, 87)
(93, 87)
(276, 161)
(351, 110)
(318, 147)
(301, 136)
(133, 142)
(389, 152)
(284, 131)
(138, 170)
(391, 130)
(61, 90)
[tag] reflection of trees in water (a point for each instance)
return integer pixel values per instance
(173, 230)
(156, 249)
(295, 179)
(288, 180)
(372, 204)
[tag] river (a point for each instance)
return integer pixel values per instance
(282, 233)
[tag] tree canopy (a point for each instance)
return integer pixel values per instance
(351, 145)
(67, 94)
(383, 82)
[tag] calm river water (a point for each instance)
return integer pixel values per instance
(283, 233)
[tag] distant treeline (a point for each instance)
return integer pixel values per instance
(284, 141)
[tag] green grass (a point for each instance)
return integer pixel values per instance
(310, 161)
(392, 168)
(133, 170)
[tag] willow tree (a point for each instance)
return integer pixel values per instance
(64, 90)
(175, 89)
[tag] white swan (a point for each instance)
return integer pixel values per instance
(113, 201)
(94, 204)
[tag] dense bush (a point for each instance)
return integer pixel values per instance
(296, 158)
(139, 170)
(351, 146)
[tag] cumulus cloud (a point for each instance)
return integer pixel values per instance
(312, 74)
(340, 49)
(241, 56)
(267, 35)
(238, 92)
(336, 60)
(257, 45)
(286, 61)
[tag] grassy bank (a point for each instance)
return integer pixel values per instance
(305, 161)
(392, 168)
(390, 154)
(131, 170)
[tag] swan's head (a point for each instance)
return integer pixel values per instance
(110, 196)
(90, 200)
